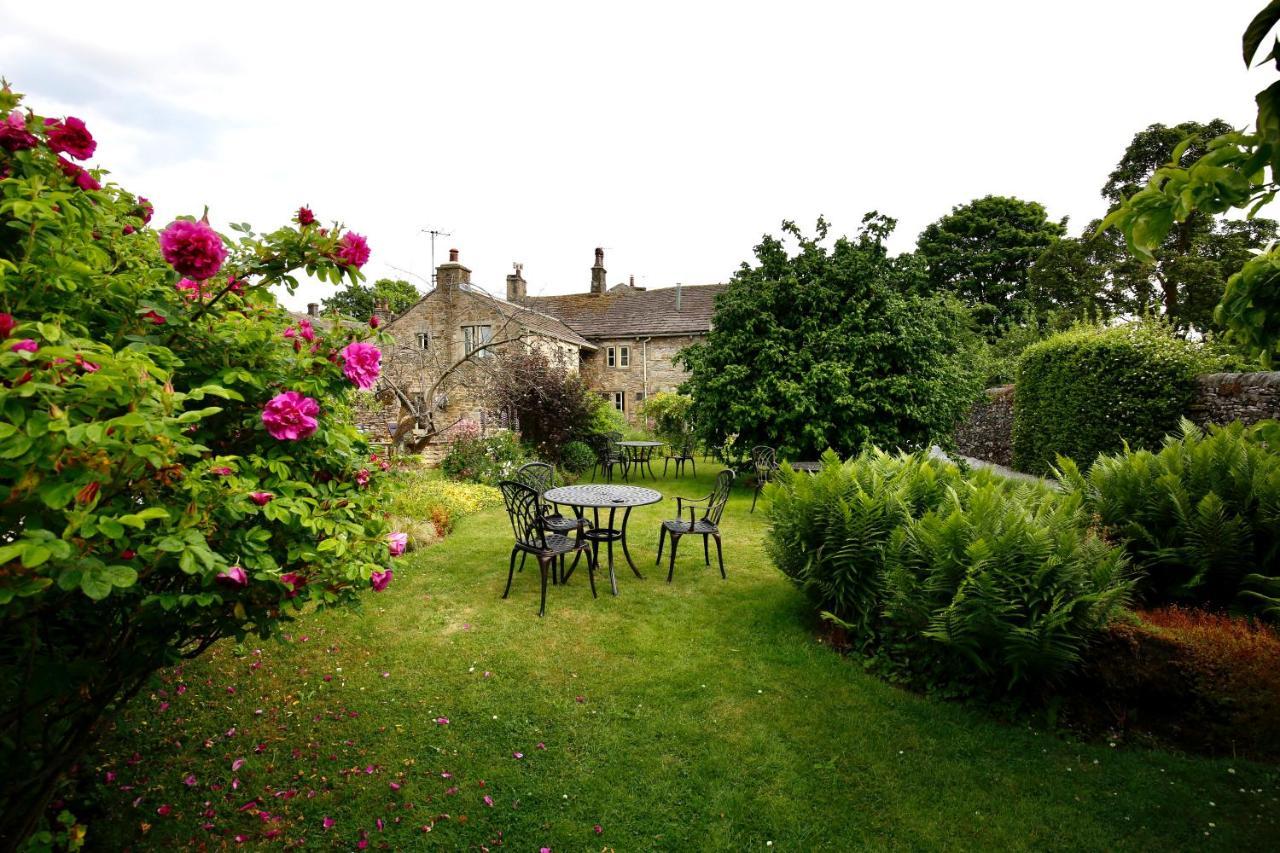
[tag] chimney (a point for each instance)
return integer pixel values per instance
(516, 287)
(452, 274)
(313, 309)
(677, 296)
(381, 309)
(598, 287)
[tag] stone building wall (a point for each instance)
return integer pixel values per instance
(652, 368)
(987, 431)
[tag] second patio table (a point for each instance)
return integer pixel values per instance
(639, 454)
(596, 497)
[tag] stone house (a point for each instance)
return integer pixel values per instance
(622, 339)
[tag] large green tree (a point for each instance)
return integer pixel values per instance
(1187, 272)
(983, 251)
(831, 347)
(358, 299)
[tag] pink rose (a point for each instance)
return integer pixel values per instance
(305, 217)
(234, 576)
(221, 471)
(379, 580)
(78, 175)
(261, 498)
(235, 285)
(294, 581)
(144, 209)
(306, 331)
(374, 322)
(14, 135)
(362, 363)
(290, 416)
(362, 477)
(86, 365)
(193, 248)
(190, 289)
(353, 250)
(25, 345)
(154, 318)
(70, 137)
(7, 324)
(397, 542)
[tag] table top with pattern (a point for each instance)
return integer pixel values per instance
(642, 443)
(602, 495)
(810, 467)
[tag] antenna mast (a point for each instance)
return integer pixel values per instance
(434, 234)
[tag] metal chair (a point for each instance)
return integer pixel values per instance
(765, 461)
(680, 455)
(608, 456)
(524, 508)
(541, 476)
(707, 527)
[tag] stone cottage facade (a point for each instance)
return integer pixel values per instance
(622, 340)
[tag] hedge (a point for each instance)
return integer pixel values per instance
(1091, 389)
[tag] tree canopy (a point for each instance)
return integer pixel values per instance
(358, 299)
(831, 347)
(982, 253)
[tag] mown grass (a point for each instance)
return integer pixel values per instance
(700, 715)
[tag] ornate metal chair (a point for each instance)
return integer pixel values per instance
(765, 461)
(541, 476)
(609, 455)
(680, 455)
(524, 507)
(707, 527)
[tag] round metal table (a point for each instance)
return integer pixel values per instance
(807, 467)
(596, 497)
(635, 458)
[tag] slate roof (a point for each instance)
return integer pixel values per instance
(530, 317)
(627, 312)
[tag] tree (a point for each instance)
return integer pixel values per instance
(982, 253)
(175, 465)
(359, 300)
(830, 348)
(1185, 277)
(552, 405)
(1237, 170)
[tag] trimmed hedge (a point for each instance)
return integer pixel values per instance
(1091, 389)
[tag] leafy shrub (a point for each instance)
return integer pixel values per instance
(670, 416)
(1205, 681)
(418, 498)
(176, 465)
(1091, 389)
(831, 348)
(1201, 516)
(949, 579)
(577, 457)
(552, 405)
(482, 459)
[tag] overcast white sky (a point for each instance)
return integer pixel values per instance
(672, 134)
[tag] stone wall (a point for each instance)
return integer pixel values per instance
(652, 368)
(1225, 397)
(987, 432)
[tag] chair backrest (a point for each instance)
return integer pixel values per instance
(686, 445)
(524, 508)
(719, 495)
(765, 460)
(539, 476)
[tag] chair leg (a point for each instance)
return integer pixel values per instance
(542, 564)
(706, 548)
(675, 542)
(664, 468)
(720, 556)
(662, 537)
(591, 570)
(695, 466)
(755, 495)
(511, 571)
(523, 554)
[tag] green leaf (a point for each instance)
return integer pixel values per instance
(1258, 29)
(95, 586)
(34, 555)
(121, 576)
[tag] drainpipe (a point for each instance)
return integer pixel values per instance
(644, 369)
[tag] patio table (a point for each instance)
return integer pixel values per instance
(634, 451)
(806, 466)
(596, 497)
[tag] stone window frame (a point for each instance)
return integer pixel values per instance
(424, 339)
(474, 331)
(620, 401)
(618, 357)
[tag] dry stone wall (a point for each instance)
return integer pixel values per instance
(987, 431)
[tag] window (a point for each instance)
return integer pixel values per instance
(424, 340)
(618, 356)
(620, 400)
(474, 337)
(639, 396)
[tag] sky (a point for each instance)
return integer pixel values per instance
(673, 135)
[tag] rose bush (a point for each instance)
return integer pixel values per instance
(174, 468)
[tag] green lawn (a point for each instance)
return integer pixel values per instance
(700, 715)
